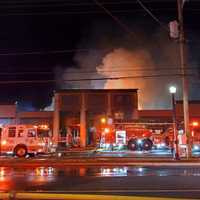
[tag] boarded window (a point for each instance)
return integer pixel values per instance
(70, 102)
(123, 100)
(97, 103)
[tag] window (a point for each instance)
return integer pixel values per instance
(121, 137)
(11, 131)
(43, 133)
(123, 100)
(20, 133)
(31, 133)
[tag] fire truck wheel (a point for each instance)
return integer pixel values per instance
(132, 145)
(20, 151)
(147, 145)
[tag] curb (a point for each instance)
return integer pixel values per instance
(96, 162)
(21, 195)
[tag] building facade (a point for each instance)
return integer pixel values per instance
(82, 108)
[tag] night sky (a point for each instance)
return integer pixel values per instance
(32, 31)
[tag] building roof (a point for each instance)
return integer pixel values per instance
(36, 114)
(95, 90)
(8, 111)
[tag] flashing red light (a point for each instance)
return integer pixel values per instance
(195, 124)
(106, 130)
(103, 120)
(4, 142)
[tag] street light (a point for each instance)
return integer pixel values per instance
(172, 90)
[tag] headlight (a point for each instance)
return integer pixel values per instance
(158, 145)
(41, 144)
(3, 142)
(196, 147)
(162, 144)
(139, 141)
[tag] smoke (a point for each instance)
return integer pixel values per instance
(84, 68)
(137, 65)
(151, 60)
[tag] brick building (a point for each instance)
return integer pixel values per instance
(82, 107)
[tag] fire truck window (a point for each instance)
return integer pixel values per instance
(31, 133)
(11, 132)
(20, 133)
(42, 133)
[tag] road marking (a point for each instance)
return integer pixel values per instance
(55, 196)
(122, 191)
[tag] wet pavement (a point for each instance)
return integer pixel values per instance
(174, 181)
(101, 179)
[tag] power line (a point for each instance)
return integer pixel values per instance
(60, 3)
(46, 52)
(116, 19)
(195, 10)
(26, 81)
(124, 69)
(92, 79)
(73, 12)
(10, 2)
(25, 73)
(127, 77)
(152, 15)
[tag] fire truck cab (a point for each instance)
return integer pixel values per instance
(21, 140)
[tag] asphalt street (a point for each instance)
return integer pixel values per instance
(145, 181)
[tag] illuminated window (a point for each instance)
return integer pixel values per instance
(31, 133)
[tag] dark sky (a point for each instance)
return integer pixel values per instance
(41, 27)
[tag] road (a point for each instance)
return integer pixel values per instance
(179, 182)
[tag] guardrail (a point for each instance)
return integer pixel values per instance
(54, 196)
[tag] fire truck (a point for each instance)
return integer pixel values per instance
(21, 140)
(146, 136)
(195, 135)
(137, 136)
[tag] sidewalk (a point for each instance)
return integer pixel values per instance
(97, 161)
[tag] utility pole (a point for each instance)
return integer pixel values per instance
(176, 155)
(184, 75)
(172, 91)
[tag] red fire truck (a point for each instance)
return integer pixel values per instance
(21, 140)
(145, 136)
(195, 135)
(137, 136)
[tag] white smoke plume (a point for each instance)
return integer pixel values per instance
(153, 91)
(120, 62)
(154, 55)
